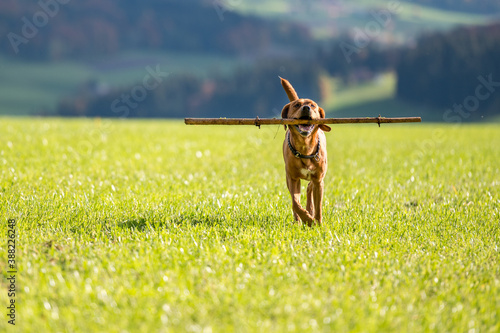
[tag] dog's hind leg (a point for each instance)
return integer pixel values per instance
(310, 200)
(318, 200)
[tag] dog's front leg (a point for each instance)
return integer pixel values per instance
(318, 199)
(294, 188)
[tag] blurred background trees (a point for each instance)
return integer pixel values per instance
(224, 57)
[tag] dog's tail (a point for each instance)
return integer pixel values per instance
(290, 92)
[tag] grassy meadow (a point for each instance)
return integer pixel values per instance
(154, 226)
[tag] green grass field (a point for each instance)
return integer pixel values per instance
(153, 226)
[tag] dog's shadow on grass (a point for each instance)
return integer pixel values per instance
(142, 223)
(136, 223)
(194, 219)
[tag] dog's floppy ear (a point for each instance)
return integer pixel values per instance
(325, 128)
(290, 92)
(284, 112)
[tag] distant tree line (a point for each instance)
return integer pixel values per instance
(249, 92)
(342, 58)
(459, 70)
(80, 29)
(442, 70)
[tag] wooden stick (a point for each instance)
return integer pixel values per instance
(287, 121)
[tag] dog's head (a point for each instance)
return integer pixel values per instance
(304, 109)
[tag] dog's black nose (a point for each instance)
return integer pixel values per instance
(306, 108)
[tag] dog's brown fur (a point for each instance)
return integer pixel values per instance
(313, 170)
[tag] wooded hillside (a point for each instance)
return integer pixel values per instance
(444, 70)
(89, 28)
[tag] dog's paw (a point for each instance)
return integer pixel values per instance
(310, 222)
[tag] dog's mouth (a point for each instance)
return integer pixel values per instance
(305, 130)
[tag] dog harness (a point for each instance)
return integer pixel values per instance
(299, 155)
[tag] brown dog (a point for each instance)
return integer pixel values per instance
(304, 151)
